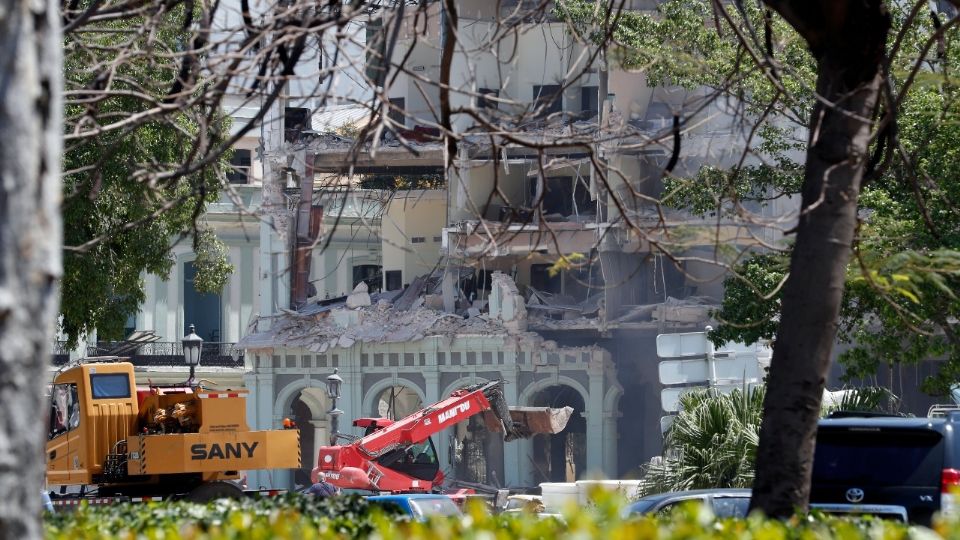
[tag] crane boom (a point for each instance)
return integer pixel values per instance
(417, 427)
(399, 456)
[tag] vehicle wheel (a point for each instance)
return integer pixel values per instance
(212, 491)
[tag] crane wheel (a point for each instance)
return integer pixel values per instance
(212, 491)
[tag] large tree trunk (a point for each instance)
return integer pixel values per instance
(30, 246)
(847, 38)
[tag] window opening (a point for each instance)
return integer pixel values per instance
(64, 409)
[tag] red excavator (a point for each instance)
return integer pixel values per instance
(399, 456)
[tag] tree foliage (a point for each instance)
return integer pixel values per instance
(711, 444)
(119, 217)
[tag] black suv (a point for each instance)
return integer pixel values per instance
(872, 461)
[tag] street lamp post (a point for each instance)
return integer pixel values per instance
(334, 382)
(192, 344)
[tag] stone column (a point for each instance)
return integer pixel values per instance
(232, 325)
(594, 416)
(167, 321)
(512, 451)
(145, 317)
(431, 393)
(321, 437)
(610, 444)
(351, 400)
(259, 414)
(273, 226)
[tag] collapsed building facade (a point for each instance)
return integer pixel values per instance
(399, 351)
(537, 253)
(544, 260)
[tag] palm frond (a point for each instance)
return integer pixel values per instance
(712, 442)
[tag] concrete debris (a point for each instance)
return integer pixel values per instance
(638, 313)
(531, 420)
(689, 310)
(433, 301)
(562, 305)
(546, 324)
(411, 294)
(419, 312)
(506, 303)
(360, 297)
(356, 320)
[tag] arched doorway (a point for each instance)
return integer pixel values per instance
(396, 402)
(561, 457)
(309, 410)
(477, 453)
(302, 416)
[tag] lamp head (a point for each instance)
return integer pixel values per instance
(192, 344)
(334, 383)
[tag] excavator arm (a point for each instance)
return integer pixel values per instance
(372, 462)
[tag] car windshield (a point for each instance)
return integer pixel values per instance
(878, 457)
(434, 506)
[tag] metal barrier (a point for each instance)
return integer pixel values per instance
(159, 353)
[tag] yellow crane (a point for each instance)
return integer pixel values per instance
(156, 442)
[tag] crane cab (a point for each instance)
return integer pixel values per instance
(418, 460)
(92, 406)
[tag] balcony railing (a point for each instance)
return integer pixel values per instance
(159, 353)
(61, 352)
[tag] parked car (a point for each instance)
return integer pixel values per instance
(419, 506)
(727, 503)
(913, 463)
(724, 502)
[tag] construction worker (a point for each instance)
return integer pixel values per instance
(321, 488)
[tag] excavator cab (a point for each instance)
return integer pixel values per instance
(399, 455)
(418, 460)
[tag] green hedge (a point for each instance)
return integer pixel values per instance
(297, 517)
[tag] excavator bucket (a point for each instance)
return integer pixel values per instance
(521, 422)
(530, 421)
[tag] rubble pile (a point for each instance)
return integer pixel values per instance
(417, 312)
(388, 318)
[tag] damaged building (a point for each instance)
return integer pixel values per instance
(399, 351)
(536, 254)
(544, 260)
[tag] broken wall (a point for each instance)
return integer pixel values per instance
(507, 305)
(410, 232)
(634, 355)
(472, 187)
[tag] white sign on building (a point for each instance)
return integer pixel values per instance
(690, 361)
